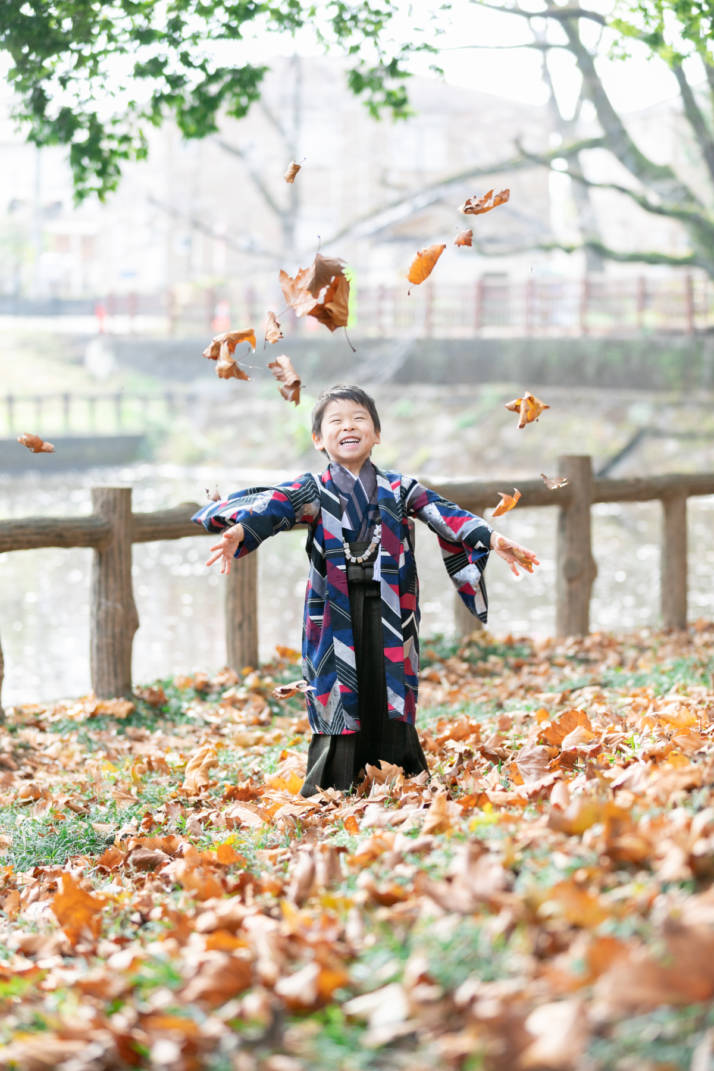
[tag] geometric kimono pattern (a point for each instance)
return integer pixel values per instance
(328, 656)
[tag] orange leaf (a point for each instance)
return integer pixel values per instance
(35, 443)
(423, 263)
(227, 367)
(464, 237)
(291, 172)
(553, 482)
(507, 502)
(287, 377)
(528, 407)
(322, 272)
(77, 911)
(288, 653)
(333, 310)
(476, 206)
(302, 292)
(272, 328)
(196, 775)
(228, 342)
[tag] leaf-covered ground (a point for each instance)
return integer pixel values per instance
(169, 901)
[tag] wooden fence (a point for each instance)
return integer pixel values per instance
(493, 305)
(112, 529)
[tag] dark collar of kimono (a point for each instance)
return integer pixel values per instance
(344, 481)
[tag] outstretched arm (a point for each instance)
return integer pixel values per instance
(513, 553)
(227, 549)
(246, 518)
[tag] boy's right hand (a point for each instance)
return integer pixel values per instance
(231, 539)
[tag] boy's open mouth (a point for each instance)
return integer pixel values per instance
(350, 440)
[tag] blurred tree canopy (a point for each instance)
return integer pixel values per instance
(95, 76)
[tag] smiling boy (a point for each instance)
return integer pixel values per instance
(361, 621)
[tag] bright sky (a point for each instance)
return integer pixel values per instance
(506, 71)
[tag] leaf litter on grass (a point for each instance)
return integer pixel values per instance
(169, 899)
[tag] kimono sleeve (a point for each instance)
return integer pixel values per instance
(464, 539)
(263, 511)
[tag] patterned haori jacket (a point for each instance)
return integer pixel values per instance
(327, 642)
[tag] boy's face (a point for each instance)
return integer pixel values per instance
(347, 433)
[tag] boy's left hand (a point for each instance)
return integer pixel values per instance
(513, 553)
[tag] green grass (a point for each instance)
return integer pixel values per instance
(51, 841)
(666, 1037)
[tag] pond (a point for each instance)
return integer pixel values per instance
(44, 594)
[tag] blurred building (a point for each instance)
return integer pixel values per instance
(218, 209)
(216, 215)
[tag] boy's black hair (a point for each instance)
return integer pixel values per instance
(337, 393)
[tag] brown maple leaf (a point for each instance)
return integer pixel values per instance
(507, 502)
(423, 264)
(476, 206)
(227, 367)
(322, 272)
(288, 379)
(228, 342)
(333, 311)
(35, 443)
(272, 328)
(291, 172)
(464, 237)
(528, 407)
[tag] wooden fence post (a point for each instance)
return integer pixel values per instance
(673, 561)
(114, 619)
(464, 622)
(575, 566)
(241, 611)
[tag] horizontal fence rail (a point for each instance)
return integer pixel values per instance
(497, 305)
(112, 530)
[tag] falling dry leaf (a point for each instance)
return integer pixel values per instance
(272, 328)
(214, 495)
(321, 273)
(288, 379)
(553, 482)
(476, 206)
(35, 443)
(464, 237)
(227, 367)
(528, 407)
(302, 293)
(291, 171)
(507, 502)
(423, 264)
(228, 342)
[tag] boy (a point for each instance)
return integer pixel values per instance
(360, 627)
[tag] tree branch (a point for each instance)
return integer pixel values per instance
(643, 256)
(197, 224)
(684, 215)
(660, 177)
(562, 14)
(407, 204)
(255, 177)
(696, 119)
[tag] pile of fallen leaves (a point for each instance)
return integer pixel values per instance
(544, 900)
